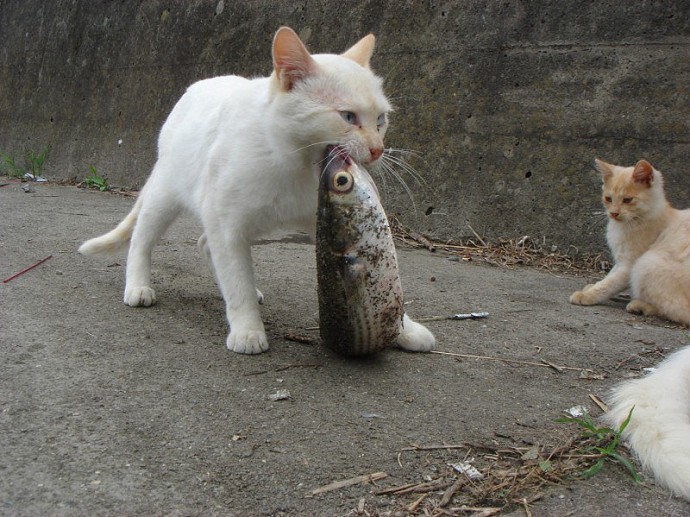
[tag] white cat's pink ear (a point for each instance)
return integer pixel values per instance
(362, 51)
(291, 59)
(643, 172)
(605, 169)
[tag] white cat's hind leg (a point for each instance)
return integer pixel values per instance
(415, 337)
(155, 217)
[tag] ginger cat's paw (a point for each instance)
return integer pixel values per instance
(640, 307)
(140, 296)
(415, 337)
(582, 298)
(247, 341)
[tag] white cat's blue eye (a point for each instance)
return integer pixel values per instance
(381, 121)
(349, 117)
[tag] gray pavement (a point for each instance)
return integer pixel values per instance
(110, 410)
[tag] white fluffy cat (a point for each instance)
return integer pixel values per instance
(650, 241)
(245, 156)
(659, 428)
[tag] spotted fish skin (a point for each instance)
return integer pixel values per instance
(360, 294)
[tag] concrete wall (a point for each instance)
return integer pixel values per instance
(506, 102)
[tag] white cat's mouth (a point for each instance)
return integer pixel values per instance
(336, 157)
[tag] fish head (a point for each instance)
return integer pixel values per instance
(344, 182)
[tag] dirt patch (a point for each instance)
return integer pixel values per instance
(108, 409)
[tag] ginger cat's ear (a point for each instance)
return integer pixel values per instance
(643, 172)
(291, 59)
(361, 51)
(605, 169)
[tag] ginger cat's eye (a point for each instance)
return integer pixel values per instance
(349, 117)
(607, 199)
(627, 200)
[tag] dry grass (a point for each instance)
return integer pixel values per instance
(524, 251)
(511, 477)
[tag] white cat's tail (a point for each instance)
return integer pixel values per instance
(659, 428)
(116, 238)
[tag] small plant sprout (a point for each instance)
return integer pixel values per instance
(9, 167)
(601, 443)
(93, 180)
(34, 163)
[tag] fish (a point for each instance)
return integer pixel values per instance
(359, 289)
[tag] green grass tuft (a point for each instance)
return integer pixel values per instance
(604, 443)
(93, 180)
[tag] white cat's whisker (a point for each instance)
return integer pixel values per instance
(405, 167)
(310, 145)
(386, 168)
(384, 179)
(404, 152)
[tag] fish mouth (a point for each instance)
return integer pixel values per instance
(336, 158)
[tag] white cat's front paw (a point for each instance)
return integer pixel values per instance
(140, 296)
(247, 341)
(415, 337)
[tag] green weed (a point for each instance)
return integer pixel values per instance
(33, 164)
(602, 443)
(34, 161)
(95, 181)
(10, 167)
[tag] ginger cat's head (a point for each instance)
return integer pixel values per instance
(631, 193)
(327, 99)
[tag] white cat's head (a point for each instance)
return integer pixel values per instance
(631, 193)
(327, 99)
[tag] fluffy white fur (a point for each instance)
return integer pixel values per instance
(244, 157)
(650, 241)
(659, 429)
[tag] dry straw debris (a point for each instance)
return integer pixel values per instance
(523, 251)
(506, 478)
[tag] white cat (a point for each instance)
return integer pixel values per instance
(244, 157)
(659, 428)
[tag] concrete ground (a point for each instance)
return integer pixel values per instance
(110, 410)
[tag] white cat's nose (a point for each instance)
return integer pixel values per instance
(376, 153)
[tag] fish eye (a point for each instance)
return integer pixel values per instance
(342, 181)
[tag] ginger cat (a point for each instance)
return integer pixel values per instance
(244, 156)
(650, 242)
